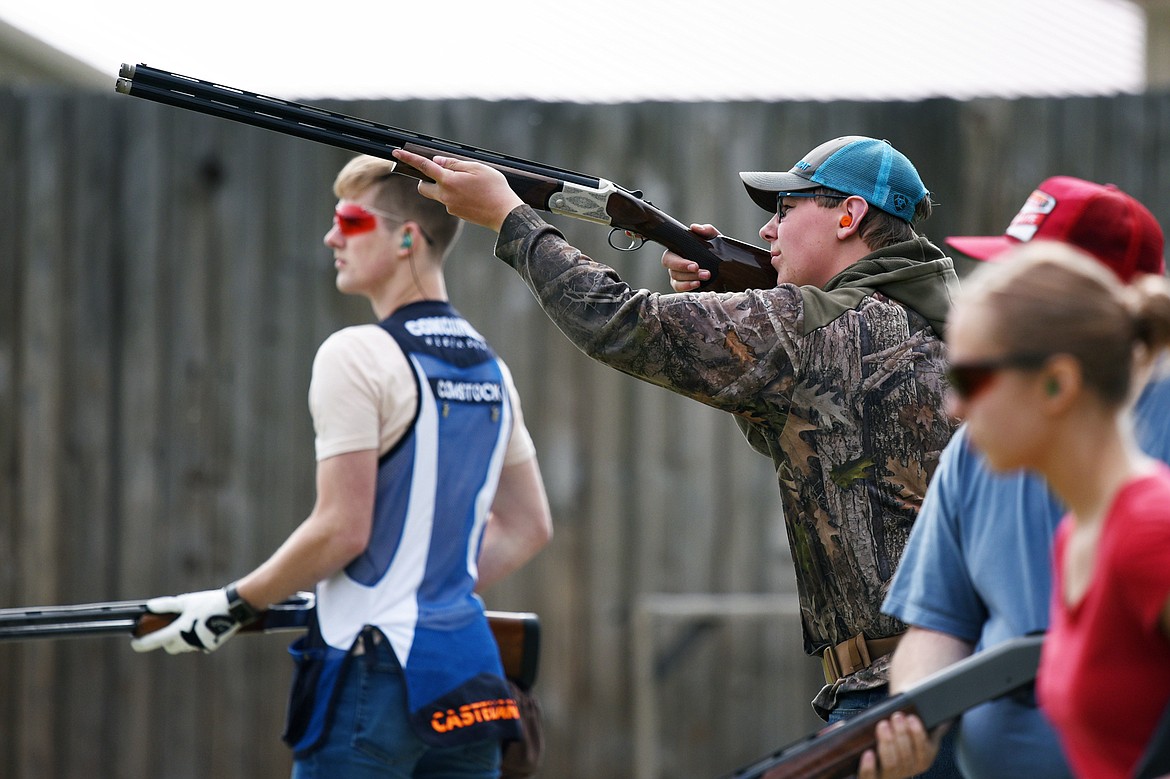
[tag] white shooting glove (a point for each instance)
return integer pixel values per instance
(206, 621)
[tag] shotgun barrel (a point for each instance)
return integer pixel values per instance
(517, 633)
(132, 616)
(734, 265)
(834, 752)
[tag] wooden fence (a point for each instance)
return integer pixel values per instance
(163, 288)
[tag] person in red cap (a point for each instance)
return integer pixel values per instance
(976, 571)
(835, 373)
(1098, 218)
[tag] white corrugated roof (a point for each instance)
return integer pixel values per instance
(616, 50)
(25, 59)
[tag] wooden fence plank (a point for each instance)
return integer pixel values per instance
(12, 273)
(40, 445)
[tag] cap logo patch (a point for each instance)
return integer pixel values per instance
(1036, 209)
(900, 203)
(802, 165)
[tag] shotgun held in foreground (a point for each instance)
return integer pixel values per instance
(517, 633)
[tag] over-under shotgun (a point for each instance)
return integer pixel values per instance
(517, 633)
(734, 265)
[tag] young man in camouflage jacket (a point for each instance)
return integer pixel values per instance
(836, 373)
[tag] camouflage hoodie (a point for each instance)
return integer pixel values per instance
(842, 387)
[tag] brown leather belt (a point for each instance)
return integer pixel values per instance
(855, 654)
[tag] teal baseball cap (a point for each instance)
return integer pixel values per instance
(854, 165)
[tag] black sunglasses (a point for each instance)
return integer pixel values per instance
(969, 379)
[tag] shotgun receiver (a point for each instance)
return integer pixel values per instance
(734, 265)
(517, 633)
(833, 753)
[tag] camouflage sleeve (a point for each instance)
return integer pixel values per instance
(728, 350)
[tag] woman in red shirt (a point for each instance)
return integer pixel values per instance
(1043, 348)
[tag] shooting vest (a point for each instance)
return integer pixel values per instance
(415, 582)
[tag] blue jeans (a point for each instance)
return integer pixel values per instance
(853, 703)
(371, 736)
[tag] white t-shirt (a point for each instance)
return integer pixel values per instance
(363, 396)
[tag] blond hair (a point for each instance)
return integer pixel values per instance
(1050, 298)
(398, 195)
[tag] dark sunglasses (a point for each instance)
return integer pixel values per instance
(352, 219)
(969, 379)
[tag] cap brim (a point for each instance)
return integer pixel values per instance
(982, 247)
(762, 186)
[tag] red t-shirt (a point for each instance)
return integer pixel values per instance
(1104, 675)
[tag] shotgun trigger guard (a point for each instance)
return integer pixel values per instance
(582, 202)
(635, 241)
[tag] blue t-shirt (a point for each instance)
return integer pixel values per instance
(978, 566)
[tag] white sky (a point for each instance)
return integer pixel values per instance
(612, 50)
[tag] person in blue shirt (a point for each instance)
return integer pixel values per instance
(976, 571)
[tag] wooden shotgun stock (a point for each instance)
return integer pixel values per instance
(518, 637)
(833, 753)
(517, 633)
(734, 265)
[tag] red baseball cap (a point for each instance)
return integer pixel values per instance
(1098, 218)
